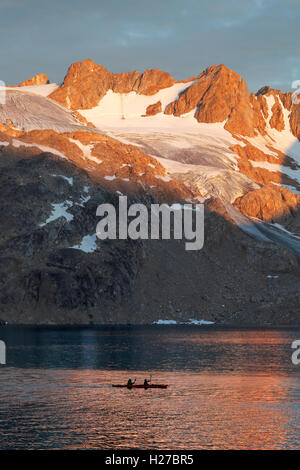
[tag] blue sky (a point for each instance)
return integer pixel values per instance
(259, 39)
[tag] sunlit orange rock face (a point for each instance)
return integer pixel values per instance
(277, 118)
(86, 83)
(53, 140)
(269, 203)
(8, 129)
(153, 80)
(295, 120)
(40, 79)
(128, 168)
(249, 153)
(218, 95)
(153, 109)
(115, 165)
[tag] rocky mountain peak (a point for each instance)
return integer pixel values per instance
(218, 95)
(86, 83)
(40, 79)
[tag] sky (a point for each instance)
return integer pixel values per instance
(259, 39)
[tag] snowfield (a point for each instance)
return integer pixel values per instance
(88, 244)
(185, 147)
(41, 90)
(29, 111)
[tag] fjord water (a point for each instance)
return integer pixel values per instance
(228, 389)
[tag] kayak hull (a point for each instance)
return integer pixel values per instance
(141, 386)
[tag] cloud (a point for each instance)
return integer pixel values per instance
(257, 38)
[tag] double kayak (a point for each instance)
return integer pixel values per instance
(141, 386)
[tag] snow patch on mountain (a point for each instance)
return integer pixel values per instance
(110, 178)
(59, 210)
(88, 244)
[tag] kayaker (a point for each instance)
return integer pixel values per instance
(130, 383)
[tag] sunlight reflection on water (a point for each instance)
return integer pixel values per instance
(227, 389)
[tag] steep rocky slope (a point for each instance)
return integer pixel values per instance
(55, 270)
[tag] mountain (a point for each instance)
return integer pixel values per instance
(40, 79)
(65, 149)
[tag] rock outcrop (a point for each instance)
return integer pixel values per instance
(40, 79)
(153, 109)
(221, 95)
(151, 81)
(218, 95)
(269, 203)
(54, 270)
(249, 155)
(86, 83)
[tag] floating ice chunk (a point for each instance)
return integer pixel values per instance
(200, 322)
(189, 322)
(165, 322)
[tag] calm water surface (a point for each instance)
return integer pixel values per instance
(227, 388)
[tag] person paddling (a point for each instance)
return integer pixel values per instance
(147, 382)
(130, 383)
